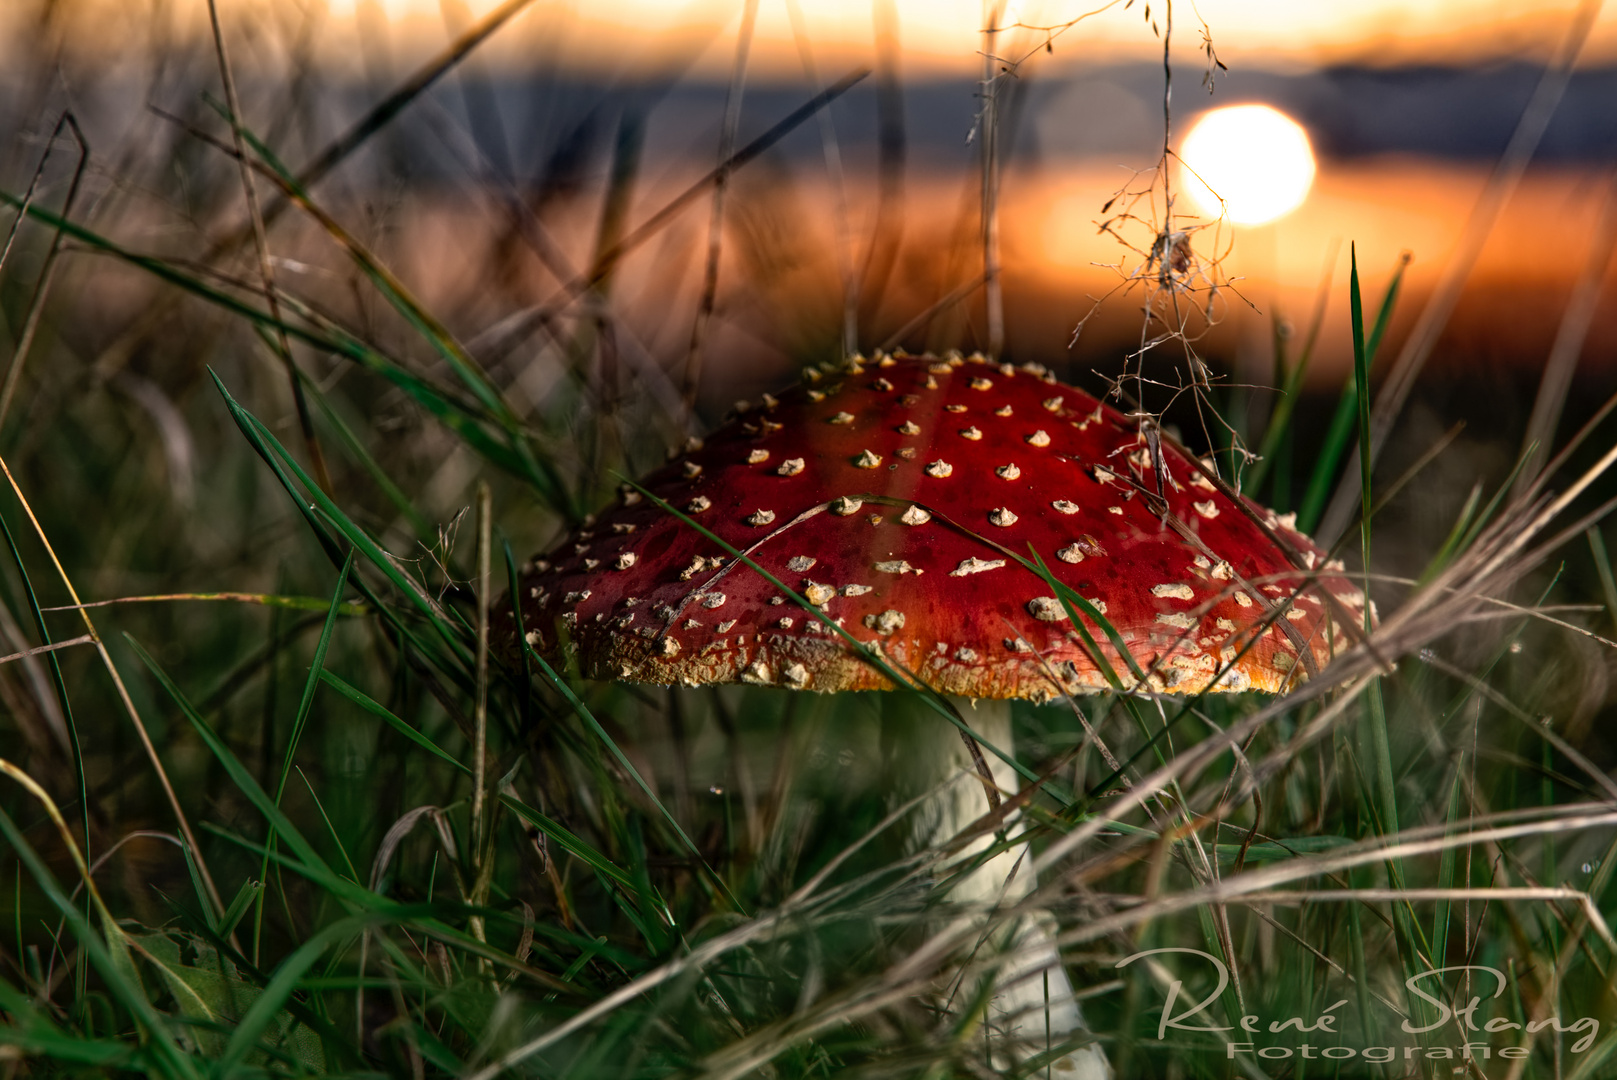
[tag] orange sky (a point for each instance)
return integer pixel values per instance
(937, 36)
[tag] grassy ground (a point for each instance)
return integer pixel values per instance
(309, 491)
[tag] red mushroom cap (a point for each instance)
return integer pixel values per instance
(896, 495)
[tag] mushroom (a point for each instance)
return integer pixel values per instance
(901, 498)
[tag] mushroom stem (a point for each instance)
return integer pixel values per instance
(1033, 1007)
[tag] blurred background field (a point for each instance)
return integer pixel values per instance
(546, 134)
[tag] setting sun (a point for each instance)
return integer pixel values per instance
(1256, 159)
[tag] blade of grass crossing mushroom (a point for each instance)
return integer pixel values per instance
(1341, 430)
(903, 680)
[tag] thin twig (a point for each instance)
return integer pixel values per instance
(82, 639)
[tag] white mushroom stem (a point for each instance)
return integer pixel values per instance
(1033, 1005)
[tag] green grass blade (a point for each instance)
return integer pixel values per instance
(271, 450)
(285, 982)
(571, 843)
(1340, 432)
(279, 823)
(330, 828)
(299, 722)
(238, 907)
(376, 708)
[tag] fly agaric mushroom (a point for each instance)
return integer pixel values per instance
(899, 497)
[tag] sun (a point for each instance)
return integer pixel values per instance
(1257, 159)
